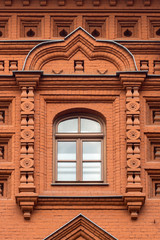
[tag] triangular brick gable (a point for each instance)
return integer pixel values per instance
(80, 228)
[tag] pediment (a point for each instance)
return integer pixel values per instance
(80, 228)
(80, 53)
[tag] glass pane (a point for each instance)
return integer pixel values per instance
(88, 125)
(66, 171)
(92, 171)
(68, 126)
(91, 150)
(66, 150)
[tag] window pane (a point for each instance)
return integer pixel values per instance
(91, 171)
(66, 150)
(66, 171)
(68, 126)
(88, 125)
(91, 150)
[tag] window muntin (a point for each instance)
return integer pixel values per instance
(79, 145)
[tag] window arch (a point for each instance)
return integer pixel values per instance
(79, 141)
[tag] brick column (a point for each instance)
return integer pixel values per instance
(133, 198)
(27, 197)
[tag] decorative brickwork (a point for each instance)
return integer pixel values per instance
(43, 2)
(129, 2)
(112, 2)
(134, 197)
(109, 54)
(30, 27)
(96, 2)
(96, 26)
(81, 228)
(147, 2)
(26, 2)
(27, 197)
(61, 2)
(5, 184)
(95, 61)
(79, 2)
(62, 26)
(128, 27)
(8, 2)
(4, 27)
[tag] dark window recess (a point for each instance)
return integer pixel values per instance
(158, 32)
(1, 152)
(157, 152)
(1, 34)
(127, 33)
(2, 116)
(30, 33)
(63, 33)
(95, 33)
(156, 116)
(157, 189)
(1, 189)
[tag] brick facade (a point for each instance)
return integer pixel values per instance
(93, 58)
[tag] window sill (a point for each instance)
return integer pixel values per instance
(79, 184)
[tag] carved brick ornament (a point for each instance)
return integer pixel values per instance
(132, 106)
(26, 163)
(133, 162)
(27, 134)
(27, 106)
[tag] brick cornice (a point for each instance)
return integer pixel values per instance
(80, 201)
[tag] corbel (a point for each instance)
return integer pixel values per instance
(130, 79)
(27, 78)
(134, 203)
(27, 202)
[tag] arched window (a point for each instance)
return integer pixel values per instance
(79, 148)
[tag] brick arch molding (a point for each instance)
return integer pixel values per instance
(74, 111)
(81, 45)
